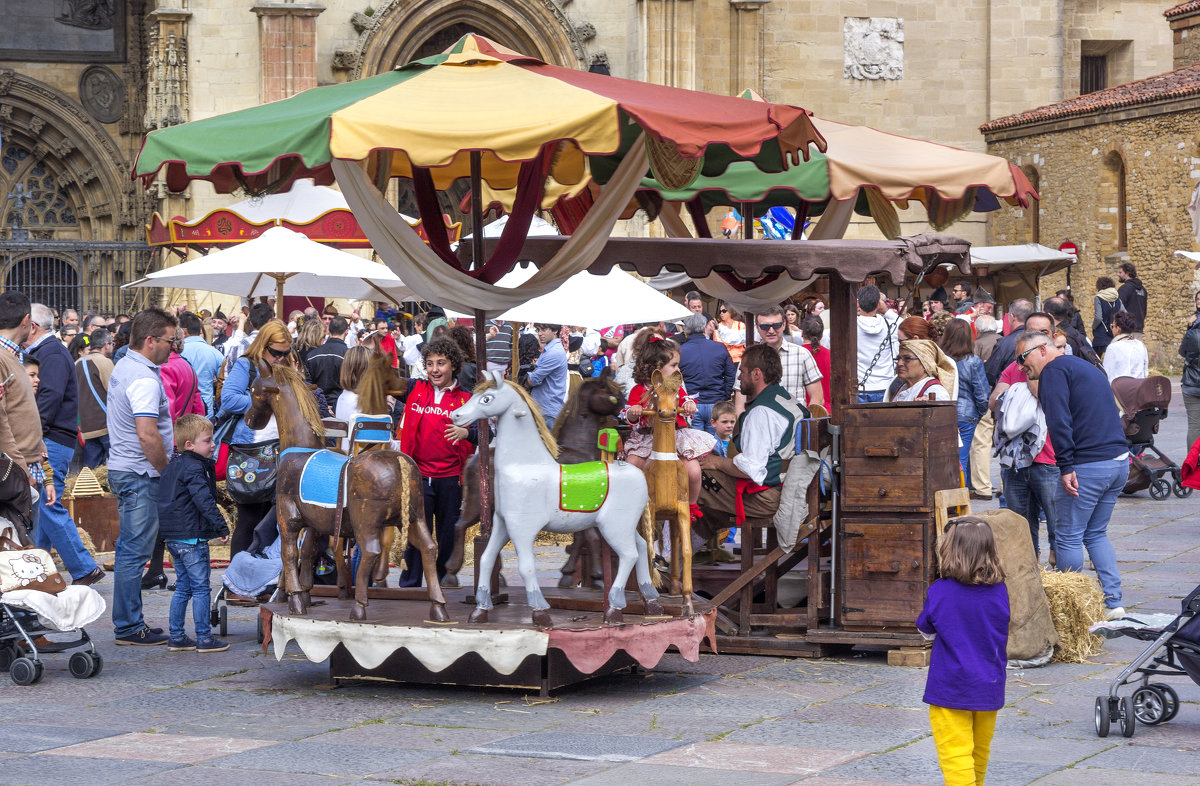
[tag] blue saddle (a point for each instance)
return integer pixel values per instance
(319, 478)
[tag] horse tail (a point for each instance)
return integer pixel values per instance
(646, 530)
(407, 514)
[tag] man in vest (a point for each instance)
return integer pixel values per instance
(748, 485)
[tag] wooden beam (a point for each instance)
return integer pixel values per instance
(843, 346)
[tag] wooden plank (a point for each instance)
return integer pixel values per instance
(747, 576)
(910, 657)
(858, 466)
(798, 647)
(781, 619)
(843, 346)
(889, 492)
(835, 636)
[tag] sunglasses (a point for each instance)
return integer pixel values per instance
(278, 353)
(722, 311)
(770, 327)
(1021, 357)
(170, 341)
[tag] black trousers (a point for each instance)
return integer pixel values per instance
(443, 499)
(248, 517)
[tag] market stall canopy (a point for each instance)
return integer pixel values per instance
(761, 270)
(282, 261)
(318, 212)
(1013, 271)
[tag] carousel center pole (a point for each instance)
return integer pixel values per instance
(485, 433)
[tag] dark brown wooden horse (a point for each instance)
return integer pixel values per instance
(383, 491)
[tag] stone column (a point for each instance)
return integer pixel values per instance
(746, 46)
(670, 29)
(287, 35)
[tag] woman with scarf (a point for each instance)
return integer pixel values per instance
(1105, 306)
(923, 373)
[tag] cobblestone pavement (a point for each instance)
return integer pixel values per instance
(242, 717)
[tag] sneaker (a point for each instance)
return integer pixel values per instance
(181, 644)
(697, 514)
(211, 645)
(143, 638)
(1115, 614)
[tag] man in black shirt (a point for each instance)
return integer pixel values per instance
(1132, 294)
(325, 362)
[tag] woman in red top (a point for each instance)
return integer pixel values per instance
(812, 328)
(439, 448)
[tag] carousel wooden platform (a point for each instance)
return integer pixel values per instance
(398, 644)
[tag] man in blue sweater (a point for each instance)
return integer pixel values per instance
(1091, 453)
(708, 372)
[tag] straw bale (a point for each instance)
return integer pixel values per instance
(1076, 602)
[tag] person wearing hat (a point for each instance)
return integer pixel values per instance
(923, 373)
(219, 323)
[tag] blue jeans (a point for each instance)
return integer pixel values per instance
(870, 396)
(191, 583)
(95, 451)
(966, 433)
(54, 525)
(1083, 521)
(1033, 492)
(702, 420)
(137, 509)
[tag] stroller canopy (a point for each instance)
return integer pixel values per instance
(1135, 395)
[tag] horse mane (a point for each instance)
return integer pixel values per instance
(373, 387)
(306, 402)
(570, 410)
(547, 438)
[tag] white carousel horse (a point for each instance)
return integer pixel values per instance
(530, 496)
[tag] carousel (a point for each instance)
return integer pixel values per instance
(590, 149)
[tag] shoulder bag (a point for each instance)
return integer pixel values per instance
(24, 568)
(250, 472)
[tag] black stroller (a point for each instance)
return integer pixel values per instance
(1144, 405)
(1174, 652)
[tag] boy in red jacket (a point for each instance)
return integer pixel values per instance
(439, 448)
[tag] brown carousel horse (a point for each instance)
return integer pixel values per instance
(380, 489)
(593, 405)
(667, 481)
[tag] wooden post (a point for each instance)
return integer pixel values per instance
(843, 346)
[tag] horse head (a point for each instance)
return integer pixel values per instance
(264, 391)
(666, 394)
(601, 395)
(489, 403)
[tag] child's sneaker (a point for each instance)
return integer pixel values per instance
(211, 645)
(697, 514)
(181, 644)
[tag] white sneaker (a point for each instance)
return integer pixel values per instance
(1115, 614)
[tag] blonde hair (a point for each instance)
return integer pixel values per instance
(190, 428)
(547, 438)
(967, 552)
(354, 363)
(274, 332)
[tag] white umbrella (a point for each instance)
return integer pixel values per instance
(588, 300)
(280, 259)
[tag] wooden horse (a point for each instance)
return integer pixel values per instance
(530, 497)
(382, 490)
(378, 382)
(667, 480)
(591, 407)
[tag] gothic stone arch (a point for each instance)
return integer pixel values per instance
(536, 27)
(53, 147)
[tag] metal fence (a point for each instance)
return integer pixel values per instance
(83, 275)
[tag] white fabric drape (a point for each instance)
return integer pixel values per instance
(750, 301)
(402, 250)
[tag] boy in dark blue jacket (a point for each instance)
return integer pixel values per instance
(188, 518)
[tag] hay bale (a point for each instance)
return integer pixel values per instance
(86, 540)
(1076, 602)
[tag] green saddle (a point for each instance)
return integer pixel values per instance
(582, 488)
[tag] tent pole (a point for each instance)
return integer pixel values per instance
(485, 455)
(279, 279)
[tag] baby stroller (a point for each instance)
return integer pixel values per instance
(26, 615)
(1174, 652)
(1144, 405)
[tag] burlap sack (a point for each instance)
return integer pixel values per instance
(1030, 629)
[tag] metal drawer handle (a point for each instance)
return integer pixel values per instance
(875, 451)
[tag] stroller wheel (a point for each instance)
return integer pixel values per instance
(1101, 716)
(8, 653)
(97, 664)
(81, 665)
(261, 635)
(1180, 490)
(24, 671)
(1170, 700)
(1126, 717)
(1160, 489)
(1149, 705)
(223, 620)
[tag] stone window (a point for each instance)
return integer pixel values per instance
(35, 197)
(1112, 202)
(1103, 63)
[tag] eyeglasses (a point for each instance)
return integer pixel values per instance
(906, 358)
(278, 353)
(770, 327)
(170, 341)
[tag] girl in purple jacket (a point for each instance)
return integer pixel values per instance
(966, 617)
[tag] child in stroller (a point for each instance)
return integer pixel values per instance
(1152, 703)
(1143, 404)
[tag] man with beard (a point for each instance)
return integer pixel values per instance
(764, 438)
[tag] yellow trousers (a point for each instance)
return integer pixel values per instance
(963, 739)
(981, 455)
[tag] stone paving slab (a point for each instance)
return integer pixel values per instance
(479, 770)
(836, 736)
(904, 767)
(515, 716)
(216, 776)
(178, 703)
(738, 710)
(865, 715)
(664, 775)
(1085, 776)
(580, 747)
(263, 727)
(30, 738)
(331, 759)
(434, 738)
(739, 758)
(1146, 759)
(175, 748)
(673, 727)
(41, 770)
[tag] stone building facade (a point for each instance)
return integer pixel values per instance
(934, 70)
(1116, 170)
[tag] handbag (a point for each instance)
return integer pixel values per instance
(27, 568)
(223, 430)
(250, 474)
(15, 491)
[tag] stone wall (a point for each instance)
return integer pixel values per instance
(1161, 154)
(1185, 40)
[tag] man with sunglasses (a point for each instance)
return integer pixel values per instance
(801, 376)
(1091, 454)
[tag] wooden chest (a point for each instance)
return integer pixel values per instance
(97, 516)
(895, 456)
(886, 565)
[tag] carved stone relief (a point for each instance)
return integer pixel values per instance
(167, 99)
(102, 94)
(874, 48)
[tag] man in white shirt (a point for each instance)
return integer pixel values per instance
(878, 345)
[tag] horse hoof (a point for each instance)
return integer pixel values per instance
(541, 619)
(304, 598)
(613, 617)
(358, 612)
(479, 615)
(688, 610)
(437, 613)
(344, 593)
(566, 582)
(297, 606)
(676, 588)
(654, 609)
(450, 580)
